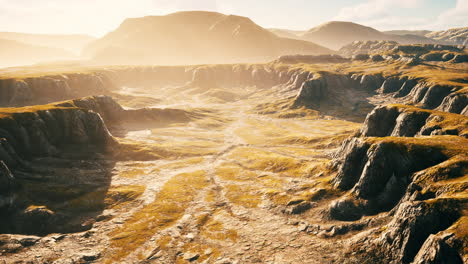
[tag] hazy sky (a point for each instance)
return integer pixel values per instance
(97, 17)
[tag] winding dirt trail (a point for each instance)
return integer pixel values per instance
(219, 189)
(251, 166)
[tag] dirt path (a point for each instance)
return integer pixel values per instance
(218, 194)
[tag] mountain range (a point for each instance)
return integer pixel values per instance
(336, 34)
(199, 37)
(15, 53)
(193, 38)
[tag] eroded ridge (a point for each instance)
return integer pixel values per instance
(301, 160)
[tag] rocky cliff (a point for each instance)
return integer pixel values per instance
(393, 165)
(407, 121)
(38, 145)
(50, 88)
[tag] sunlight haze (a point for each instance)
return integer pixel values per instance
(97, 17)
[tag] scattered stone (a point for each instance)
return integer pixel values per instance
(302, 226)
(208, 251)
(191, 256)
(298, 208)
(104, 217)
(91, 256)
(58, 237)
(29, 241)
(190, 236)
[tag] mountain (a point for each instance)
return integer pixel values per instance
(422, 33)
(73, 43)
(336, 34)
(15, 53)
(457, 36)
(194, 37)
(287, 33)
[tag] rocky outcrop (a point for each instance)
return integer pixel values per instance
(409, 238)
(406, 121)
(313, 91)
(368, 82)
(43, 132)
(365, 47)
(455, 103)
(292, 59)
(418, 180)
(377, 171)
(50, 132)
(438, 248)
(332, 93)
(455, 36)
(7, 185)
(46, 89)
(235, 75)
(409, 54)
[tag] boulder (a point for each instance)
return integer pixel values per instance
(312, 91)
(413, 223)
(380, 122)
(345, 209)
(437, 249)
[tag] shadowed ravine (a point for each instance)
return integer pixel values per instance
(248, 167)
(220, 190)
(261, 163)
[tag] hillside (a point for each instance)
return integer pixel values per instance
(192, 38)
(73, 43)
(13, 53)
(336, 34)
(287, 33)
(457, 36)
(408, 32)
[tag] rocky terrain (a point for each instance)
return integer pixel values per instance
(394, 50)
(336, 34)
(455, 36)
(306, 159)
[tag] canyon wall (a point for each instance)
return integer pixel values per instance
(392, 165)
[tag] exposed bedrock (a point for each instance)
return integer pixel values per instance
(392, 84)
(114, 114)
(45, 89)
(235, 75)
(30, 138)
(377, 171)
(369, 82)
(325, 88)
(335, 94)
(409, 237)
(439, 248)
(407, 121)
(419, 181)
(455, 103)
(328, 58)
